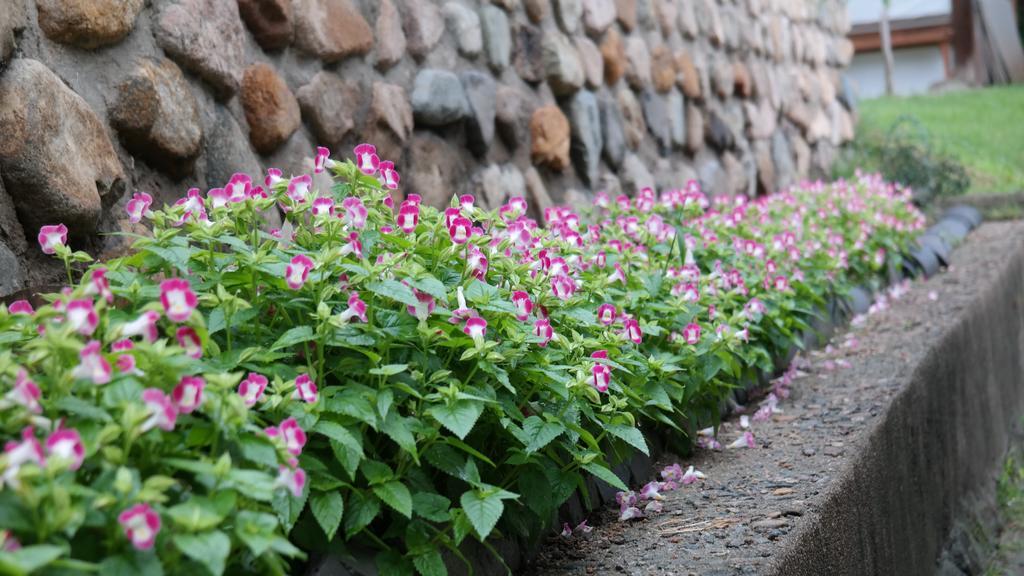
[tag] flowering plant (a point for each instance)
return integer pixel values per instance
(396, 378)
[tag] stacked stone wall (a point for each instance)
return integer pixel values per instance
(547, 99)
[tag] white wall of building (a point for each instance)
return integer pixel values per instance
(916, 70)
(864, 11)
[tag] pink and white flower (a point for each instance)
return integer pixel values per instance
(218, 198)
(523, 305)
(99, 285)
(162, 412)
(356, 309)
(188, 394)
(305, 389)
(21, 307)
(691, 334)
(692, 475)
(563, 287)
(601, 377)
(138, 207)
(746, 440)
(274, 177)
(193, 207)
(82, 317)
(251, 389)
(320, 160)
(366, 159)
(188, 339)
(66, 444)
(355, 212)
(619, 275)
(144, 325)
(291, 434)
(424, 307)
(323, 207)
(51, 236)
(408, 217)
(606, 314)
(92, 365)
(631, 330)
(476, 328)
(389, 176)
(297, 272)
(466, 202)
(25, 393)
(651, 491)
(238, 188)
(298, 188)
(292, 478)
(141, 525)
(460, 230)
(542, 329)
(178, 299)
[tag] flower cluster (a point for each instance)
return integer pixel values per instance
(383, 373)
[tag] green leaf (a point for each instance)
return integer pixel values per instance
(459, 416)
(362, 509)
(396, 496)
(430, 563)
(539, 433)
(200, 513)
(294, 336)
(432, 286)
(346, 446)
(394, 290)
(256, 530)
(630, 435)
(210, 549)
(483, 511)
(82, 408)
(176, 256)
(399, 429)
(327, 508)
(433, 507)
(389, 370)
(28, 559)
(135, 563)
(605, 474)
(481, 292)
(288, 508)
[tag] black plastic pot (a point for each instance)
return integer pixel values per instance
(967, 214)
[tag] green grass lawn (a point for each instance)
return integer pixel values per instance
(984, 129)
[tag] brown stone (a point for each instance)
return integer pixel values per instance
(87, 23)
(423, 24)
(765, 167)
(723, 78)
(614, 53)
(390, 36)
(207, 38)
(329, 105)
(590, 57)
(550, 137)
(436, 169)
(331, 29)
(157, 117)
(270, 108)
(536, 10)
(390, 109)
(511, 116)
(742, 82)
(694, 128)
(626, 13)
(56, 159)
(666, 13)
(638, 67)
(663, 69)
(761, 120)
(689, 78)
(270, 21)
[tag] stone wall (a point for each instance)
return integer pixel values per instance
(547, 99)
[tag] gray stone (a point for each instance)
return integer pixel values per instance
(568, 13)
(713, 179)
(87, 23)
(11, 232)
(488, 187)
(611, 184)
(562, 64)
(513, 182)
(677, 117)
(11, 274)
(638, 63)
(612, 132)
(598, 15)
(511, 117)
(390, 121)
(694, 128)
(390, 37)
(626, 13)
(207, 38)
(635, 175)
(464, 25)
(481, 93)
(497, 37)
(687, 20)
(590, 58)
(423, 24)
(656, 115)
(436, 169)
(157, 117)
(761, 120)
(539, 199)
(762, 151)
(782, 159)
(57, 161)
(228, 151)
(7, 27)
(329, 105)
(632, 118)
(528, 56)
(847, 94)
(585, 150)
(719, 134)
(735, 174)
(723, 78)
(438, 98)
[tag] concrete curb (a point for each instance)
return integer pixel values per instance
(891, 507)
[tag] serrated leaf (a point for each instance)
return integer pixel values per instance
(430, 563)
(361, 510)
(539, 433)
(433, 507)
(483, 511)
(294, 336)
(327, 508)
(605, 474)
(432, 286)
(630, 435)
(394, 290)
(28, 559)
(346, 446)
(396, 496)
(459, 416)
(210, 549)
(256, 530)
(399, 429)
(82, 408)
(389, 369)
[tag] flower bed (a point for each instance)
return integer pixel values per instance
(393, 378)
